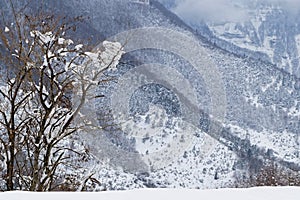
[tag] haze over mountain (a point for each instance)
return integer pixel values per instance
(264, 26)
(256, 53)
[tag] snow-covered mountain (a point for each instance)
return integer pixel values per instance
(157, 146)
(270, 28)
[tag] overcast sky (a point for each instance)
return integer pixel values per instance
(223, 10)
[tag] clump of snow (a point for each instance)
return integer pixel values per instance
(6, 29)
(61, 40)
(44, 38)
(78, 47)
(110, 57)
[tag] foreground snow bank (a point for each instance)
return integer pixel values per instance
(263, 193)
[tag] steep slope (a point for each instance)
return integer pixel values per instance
(261, 116)
(257, 96)
(271, 29)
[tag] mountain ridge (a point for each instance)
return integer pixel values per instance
(261, 105)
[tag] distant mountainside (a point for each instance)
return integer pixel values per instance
(262, 101)
(271, 32)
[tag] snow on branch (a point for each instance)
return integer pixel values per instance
(37, 111)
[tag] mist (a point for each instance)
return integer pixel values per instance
(194, 11)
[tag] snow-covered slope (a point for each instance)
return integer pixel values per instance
(270, 28)
(257, 95)
(225, 194)
(157, 146)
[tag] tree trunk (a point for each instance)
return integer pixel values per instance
(35, 176)
(11, 159)
(10, 169)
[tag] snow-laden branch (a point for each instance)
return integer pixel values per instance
(37, 111)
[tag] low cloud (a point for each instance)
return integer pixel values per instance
(217, 10)
(194, 11)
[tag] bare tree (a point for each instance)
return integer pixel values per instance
(42, 71)
(273, 174)
(270, 174)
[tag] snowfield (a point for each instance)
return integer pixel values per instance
(262, 193)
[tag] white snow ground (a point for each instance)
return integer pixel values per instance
(262, 193)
